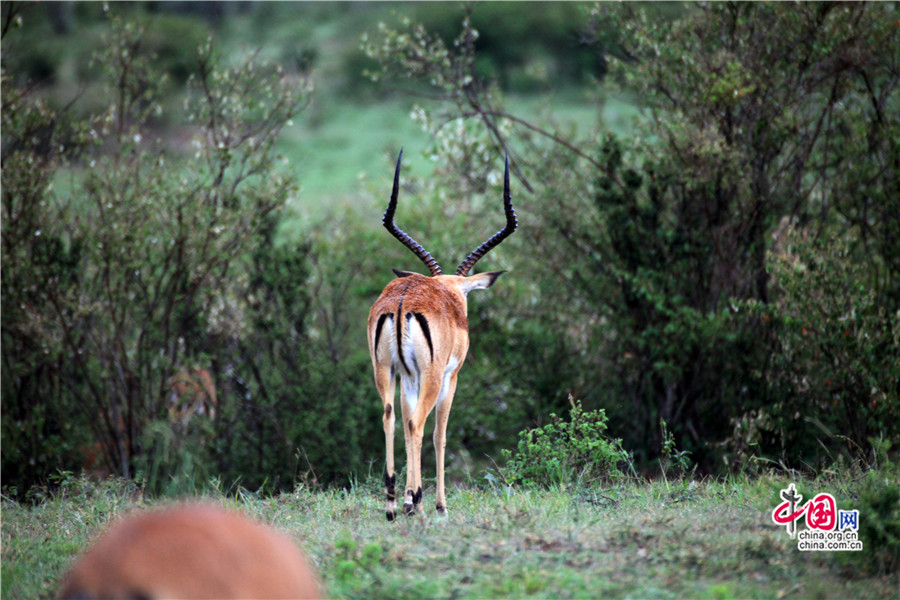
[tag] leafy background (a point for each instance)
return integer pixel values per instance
(709, 202)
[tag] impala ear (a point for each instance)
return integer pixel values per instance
(480, 281)
(400, 273)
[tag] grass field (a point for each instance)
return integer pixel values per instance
(342, 152)
(690, 539)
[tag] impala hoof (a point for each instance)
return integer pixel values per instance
(390, 514)
(409, 509)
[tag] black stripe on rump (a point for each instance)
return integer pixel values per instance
(378, 327)
(423, 323)
(400, 336)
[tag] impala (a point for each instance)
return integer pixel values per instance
(191, 393)
(418, 329)
(190, 551)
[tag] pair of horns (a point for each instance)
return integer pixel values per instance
(423, 254)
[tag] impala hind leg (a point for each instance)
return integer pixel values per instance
(412, 498)
(415, 412)
(409, 399)
(413, 428)
(390, 476)
(440, 440)
(385, 384)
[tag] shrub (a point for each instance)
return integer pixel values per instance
(566, 453)
(124, 264)
(876, 494)
(836, 369)
(659, 241)
(879, 528)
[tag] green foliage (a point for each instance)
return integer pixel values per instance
(646, 253)
(566, 453)
(351, 561)
(879, 529)
(694, 245)
(671, 456)
(57, 43)
(836, 368)
(128, 274)
(172, 41)
(876, 494)
(35, 259)
(525, 47)
(653, 250)
(36, 57)
(653, 274)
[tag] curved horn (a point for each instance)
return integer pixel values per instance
(398, 233)
(498, 237)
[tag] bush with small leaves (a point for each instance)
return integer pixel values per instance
(566, 453)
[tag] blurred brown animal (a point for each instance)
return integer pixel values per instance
(192, 392)
(190, 551)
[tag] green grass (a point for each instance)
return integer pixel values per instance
(342, 151)
(342, 147)
(701, 539)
